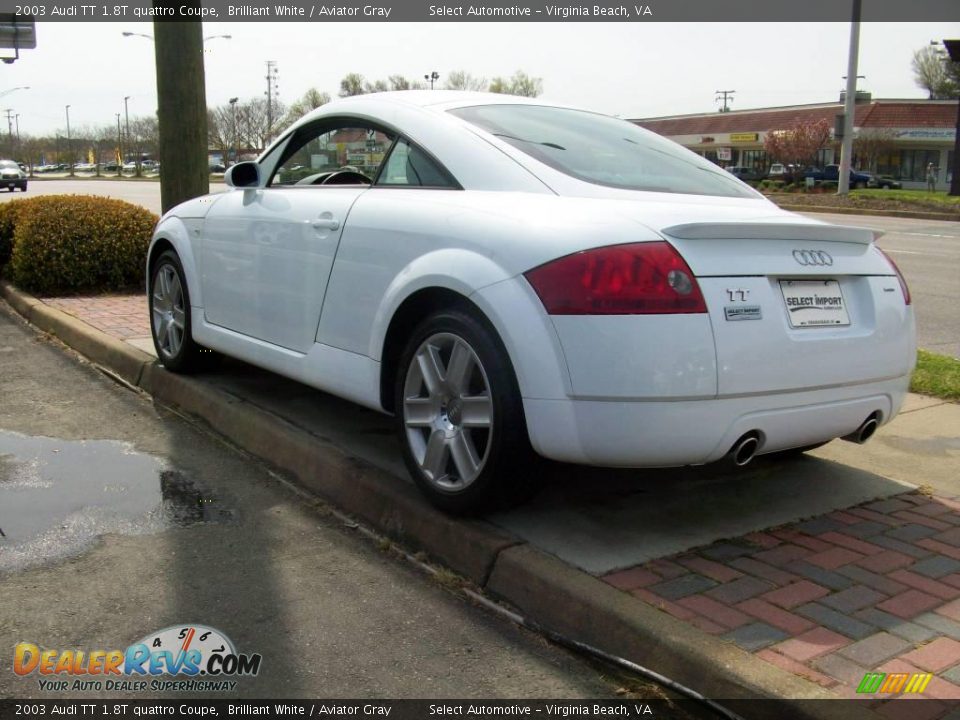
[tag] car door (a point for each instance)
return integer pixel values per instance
(267, 251)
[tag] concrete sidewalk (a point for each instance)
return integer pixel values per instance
(807, 585)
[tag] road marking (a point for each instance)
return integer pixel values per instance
(904, 252)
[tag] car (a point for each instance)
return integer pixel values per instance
(745, 173)
(885, 182)
(12, 177)
(784, 173)
(511, 279)
(217, 168)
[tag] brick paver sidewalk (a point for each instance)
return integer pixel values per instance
(874, 588)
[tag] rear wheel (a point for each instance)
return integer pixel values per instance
(459, 416)
(170, 320)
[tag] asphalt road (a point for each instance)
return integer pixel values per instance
(927, 251)
(120, 519)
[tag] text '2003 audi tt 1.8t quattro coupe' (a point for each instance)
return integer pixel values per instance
(506, 277)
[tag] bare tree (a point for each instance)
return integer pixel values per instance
(462, 80)
(399, 82)
(935, 73)
(220, 129)
(310, 100)
(870, 145)
(520, 84)
(352, 84)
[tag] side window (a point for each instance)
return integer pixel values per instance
(331, 153)
(408, 166)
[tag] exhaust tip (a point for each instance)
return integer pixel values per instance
(865, 431)
(744, 450)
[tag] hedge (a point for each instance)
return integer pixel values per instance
(76, 243)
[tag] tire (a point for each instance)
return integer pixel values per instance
(463, 466)
(170, 318)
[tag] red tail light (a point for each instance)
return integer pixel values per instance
(903, 282)
(638, 279)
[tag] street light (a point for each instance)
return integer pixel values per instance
(69, 149)
(127, 33)
(7, 92)
(126, 115)
(236, 142)
(431, 77)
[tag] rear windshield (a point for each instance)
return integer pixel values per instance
(603, 150)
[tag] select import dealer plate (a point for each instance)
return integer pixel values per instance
(814, 303)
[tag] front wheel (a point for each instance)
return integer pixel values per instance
(170, 320)
(460, 417)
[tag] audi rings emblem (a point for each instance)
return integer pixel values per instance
(813, 257)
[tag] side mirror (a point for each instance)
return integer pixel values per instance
(244, 174)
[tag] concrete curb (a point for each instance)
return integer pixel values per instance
(550, 592)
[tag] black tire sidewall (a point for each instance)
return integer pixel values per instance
(509, 447)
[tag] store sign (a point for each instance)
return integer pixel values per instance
(743, 137)
(723, 154)
(926, 134)
(706, 140)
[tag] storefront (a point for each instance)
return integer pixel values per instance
(911, 133)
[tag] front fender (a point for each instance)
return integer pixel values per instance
(183, 235)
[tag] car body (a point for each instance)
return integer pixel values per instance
(884, 182)
(504, 275)
(784, 173)
(745, 173)
(12, 177)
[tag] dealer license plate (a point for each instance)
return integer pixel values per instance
(814, 303)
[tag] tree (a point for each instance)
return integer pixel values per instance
(462, 80)
(936, 73)
(310, 100)
(220, 130)
(520, 84)
(799, 144)
(352, 84)
(870, 145)
(399, 82)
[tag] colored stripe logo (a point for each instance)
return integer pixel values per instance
(894, 683)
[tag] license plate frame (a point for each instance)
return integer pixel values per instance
(814, 303)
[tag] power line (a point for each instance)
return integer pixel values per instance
(725, 94)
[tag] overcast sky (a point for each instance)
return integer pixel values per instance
(627, 69)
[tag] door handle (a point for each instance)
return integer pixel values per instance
(326, 221)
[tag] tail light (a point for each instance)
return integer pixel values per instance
(637, 279)
(903, 282)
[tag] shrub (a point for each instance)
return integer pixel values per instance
(74, 243)
(9, 212)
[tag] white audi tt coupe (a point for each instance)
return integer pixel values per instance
(506, 276)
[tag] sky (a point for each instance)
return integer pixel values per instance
(634, 70)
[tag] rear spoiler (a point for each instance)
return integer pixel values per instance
(771, 231)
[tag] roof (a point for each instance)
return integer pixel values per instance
(876, 114)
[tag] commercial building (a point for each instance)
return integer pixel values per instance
(913, 132)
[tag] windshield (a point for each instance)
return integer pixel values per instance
(603, 150)
(8, 164)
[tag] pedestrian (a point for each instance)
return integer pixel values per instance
(931, 177)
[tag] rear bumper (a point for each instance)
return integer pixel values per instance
(693, 432)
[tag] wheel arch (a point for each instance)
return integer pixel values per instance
(172, 234)
(410, 313)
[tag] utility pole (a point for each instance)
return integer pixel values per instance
(69, 144)
(9, 112)
(182, 111)
(953, 50)
(849, 103)
(119, 148)
(272, 72)
(724, 94)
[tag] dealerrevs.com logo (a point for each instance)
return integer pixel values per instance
(178, 658)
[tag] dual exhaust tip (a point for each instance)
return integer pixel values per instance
(745, 449)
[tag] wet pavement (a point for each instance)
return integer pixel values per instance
(111, 536)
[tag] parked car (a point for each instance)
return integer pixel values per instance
(507, 277)
(831, 174)
(85, 167)
(109, 167)
(886, 182)
(745, 173)
(12, 177)
(217, 168)
(784, 173)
